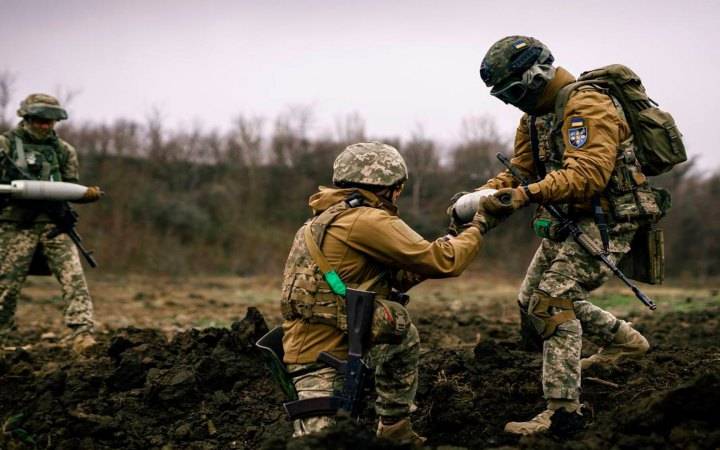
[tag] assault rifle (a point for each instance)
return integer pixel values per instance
(581, 238)
(65, 218)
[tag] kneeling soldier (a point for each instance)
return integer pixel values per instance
(356, 231)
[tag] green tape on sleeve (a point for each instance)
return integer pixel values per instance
(336, 284)
(542, 227)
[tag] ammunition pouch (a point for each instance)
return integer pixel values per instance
(645, 262)
(629, 193)
(542, 319)
(548, 227)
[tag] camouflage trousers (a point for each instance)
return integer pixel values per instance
(564, 270)
(17, 246)
(394, 355)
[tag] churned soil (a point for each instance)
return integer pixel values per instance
(209, 389)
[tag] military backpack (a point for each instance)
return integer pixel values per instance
(658, 141)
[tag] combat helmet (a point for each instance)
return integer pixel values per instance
(42, 106)
(371, 164)
(516, 65)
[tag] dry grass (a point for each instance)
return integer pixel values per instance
(174, 304)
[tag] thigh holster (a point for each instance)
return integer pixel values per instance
(544, 318)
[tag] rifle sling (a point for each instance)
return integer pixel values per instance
(20, 161)
(313, 407)
(535, 143)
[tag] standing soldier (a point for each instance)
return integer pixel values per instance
(357, 230)
(33, 151)
(579, 155)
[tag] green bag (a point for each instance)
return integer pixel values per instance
(658, 141)
(645, 262)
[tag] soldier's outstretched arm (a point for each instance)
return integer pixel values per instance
(389, 240)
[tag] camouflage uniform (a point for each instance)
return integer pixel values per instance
(565, 270)
(585, 155)
(24, 225)
(371, 248)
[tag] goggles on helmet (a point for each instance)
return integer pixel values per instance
(532, 79)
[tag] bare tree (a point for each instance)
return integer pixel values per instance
(290, 142)
(473, 160)
(478, 129)
(246, 140)
(350, 128)
(422, 159)
(7, 80)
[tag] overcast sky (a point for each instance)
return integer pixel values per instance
(396, 63)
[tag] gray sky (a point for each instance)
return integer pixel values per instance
(396, 63)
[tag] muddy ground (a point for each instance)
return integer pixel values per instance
(170, 387)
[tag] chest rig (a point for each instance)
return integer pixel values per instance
(36, 161)
(627, 197)
(306, 293)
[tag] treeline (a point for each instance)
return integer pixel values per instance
(198, 201)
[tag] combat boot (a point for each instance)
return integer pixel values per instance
(401, 433)
(81, 340)
(562, 417)
(627, 343)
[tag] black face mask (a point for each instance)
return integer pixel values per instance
(529, 103)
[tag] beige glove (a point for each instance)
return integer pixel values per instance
(491, 211)
(92, 194)
(515, 197)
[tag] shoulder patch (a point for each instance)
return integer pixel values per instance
(577, 132)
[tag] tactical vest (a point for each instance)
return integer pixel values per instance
(628, 195)
(29, 160)
(305, 293)
(35, 161)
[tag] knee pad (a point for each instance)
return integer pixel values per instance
(543, 318)
(391, 323)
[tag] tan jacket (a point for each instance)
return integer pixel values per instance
(360, 244)
(586, 170)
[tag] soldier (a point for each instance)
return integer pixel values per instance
(34, 151)
(358, 230)
(574, 156)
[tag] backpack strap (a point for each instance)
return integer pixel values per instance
(535, 144)
(337, 285)
(20, 161)
(564, 95)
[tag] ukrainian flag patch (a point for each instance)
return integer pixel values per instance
(577, 122)
(519, 44)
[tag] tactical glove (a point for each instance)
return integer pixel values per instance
(455, 228)
(92, 194)
(516, 197)
(491, 211)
